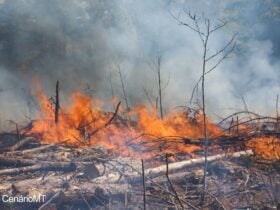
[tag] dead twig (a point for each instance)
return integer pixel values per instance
(170, 183)
(50, 200)
(144, 186)
(85, 200)
(123, 88)
(215, 197)
(107, 123)
(158, 185)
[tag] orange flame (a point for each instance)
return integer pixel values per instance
(266, 147)
(83, 123)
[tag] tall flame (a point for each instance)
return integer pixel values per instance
(83, 123)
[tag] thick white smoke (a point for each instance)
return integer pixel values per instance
(81, 43)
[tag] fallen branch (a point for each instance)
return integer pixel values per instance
(33, 150)
(154, 172)
(161, 170)
(170, 183)
(143, 183)
(161, 187)
(50, 200)
(22, 142)
(40, 167)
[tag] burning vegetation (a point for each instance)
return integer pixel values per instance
(128, 132)
(84, 123)
(99, 154)
(81, 155)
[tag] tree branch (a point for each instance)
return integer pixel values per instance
(221, 50)
(219, 62)
(218, 27)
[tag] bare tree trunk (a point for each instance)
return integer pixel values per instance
(204, 109)
(204, 34)
(111, 85)
(154, 106)
(156, 103)
(123, 89)
(237, 125)
(277, 114)
(144, 185)
(159, 87)
(56, 114)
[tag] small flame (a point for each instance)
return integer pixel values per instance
(266, 147)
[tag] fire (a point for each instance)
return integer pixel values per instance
(266, 147)
(83, 121)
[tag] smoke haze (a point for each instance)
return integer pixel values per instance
(81, 43)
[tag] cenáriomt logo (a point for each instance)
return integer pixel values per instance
(23, 199)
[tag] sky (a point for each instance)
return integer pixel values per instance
(82, 43)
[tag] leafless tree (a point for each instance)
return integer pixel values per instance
(277, 114)
(56, 114)
(203, 28)
(150, 99)
(123, 88)
(111, 85)
(160, 85)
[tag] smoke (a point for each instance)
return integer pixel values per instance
(82, 43)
